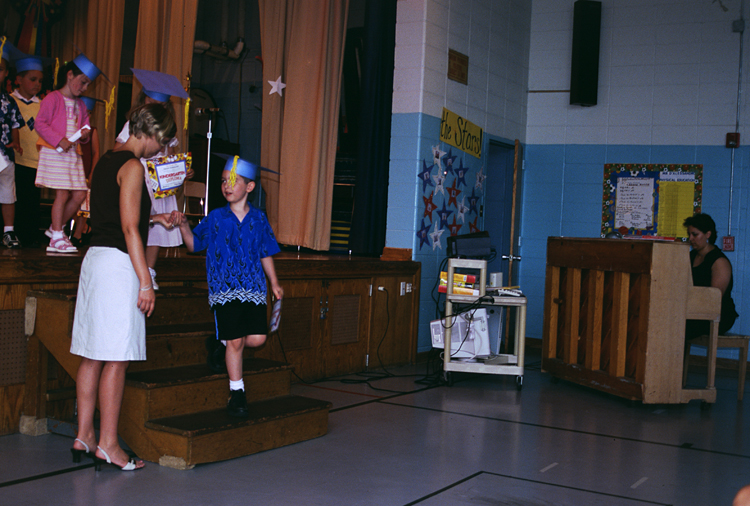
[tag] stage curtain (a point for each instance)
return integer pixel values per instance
(373, 149)
(99, 35)
(164, 42)
(303, 43)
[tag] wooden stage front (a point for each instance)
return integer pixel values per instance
(334, 319)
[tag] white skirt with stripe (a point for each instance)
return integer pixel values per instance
(108, 325)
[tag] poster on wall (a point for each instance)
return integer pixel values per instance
(650, 200)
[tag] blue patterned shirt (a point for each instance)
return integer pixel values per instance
(10, 118)
(233, 254)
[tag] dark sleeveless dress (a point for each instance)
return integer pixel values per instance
(702, 277)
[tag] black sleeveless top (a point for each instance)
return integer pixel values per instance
(105, 203)
(702, 277)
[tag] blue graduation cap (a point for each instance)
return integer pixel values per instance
(240, 167)
(90, 102)
(9, 52)
(30, 63)
(160, 86)
(86, 66)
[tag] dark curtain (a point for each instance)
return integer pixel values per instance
(373, 148)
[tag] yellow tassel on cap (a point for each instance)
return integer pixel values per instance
(2, 46)
(187, 114)
(109, 106)
(57, 69)
(233, 173)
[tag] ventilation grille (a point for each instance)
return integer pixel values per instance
(12, 347)
(345, 319)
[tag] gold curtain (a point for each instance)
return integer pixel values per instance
(99, 35)
(164, 42)
(303, 43)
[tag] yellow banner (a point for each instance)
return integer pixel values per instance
(461, 133)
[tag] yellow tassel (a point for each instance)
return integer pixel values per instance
(187, 114)
(57, 69)
(233, 173)
(2, 46)
(109, 106)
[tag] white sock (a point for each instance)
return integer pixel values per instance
(7, 229)
(237, 385)
(57, 234)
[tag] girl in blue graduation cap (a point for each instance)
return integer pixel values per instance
(239, 244)
(62, 114)
(158, 87)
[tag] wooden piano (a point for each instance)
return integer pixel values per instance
(614, 317)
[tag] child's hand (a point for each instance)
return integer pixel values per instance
(85, 134)
(189, 174)
(278, 291)
(65, 144)
(15, 146)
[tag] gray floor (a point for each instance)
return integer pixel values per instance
(479, 442)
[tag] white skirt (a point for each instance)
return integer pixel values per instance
(108, 325)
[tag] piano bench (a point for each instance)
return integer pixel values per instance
(726, 341)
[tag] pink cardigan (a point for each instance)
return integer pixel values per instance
(51, 122)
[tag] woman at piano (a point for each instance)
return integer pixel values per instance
(710, 268)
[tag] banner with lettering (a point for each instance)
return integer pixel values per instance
(461, 133)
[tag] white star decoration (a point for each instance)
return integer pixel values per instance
(480, 179)
(435, 237)
(439, 180)
(462, 210)
(437, 156)
(277, 86)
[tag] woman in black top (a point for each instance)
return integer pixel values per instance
(115, 291)
(710, 268)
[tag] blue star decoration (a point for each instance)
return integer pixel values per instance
(473, 226)
(454, 227)
(429, 206)
(443, 215)
(449, 159)
(453, 194)
(423, 234)
(461, 173)
(473, 201)
(425, 175)
(435, 237)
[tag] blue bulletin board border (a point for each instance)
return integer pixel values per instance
(614, 171)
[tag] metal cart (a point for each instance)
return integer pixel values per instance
(507, 364)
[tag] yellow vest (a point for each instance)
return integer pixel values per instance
(29, 111)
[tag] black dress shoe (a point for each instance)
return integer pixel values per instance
(237, 405)
(216, 358)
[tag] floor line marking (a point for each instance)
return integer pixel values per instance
(544, 470)
(639, 482)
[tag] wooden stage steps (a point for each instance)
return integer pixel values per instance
(174, 406)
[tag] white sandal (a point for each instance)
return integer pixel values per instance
(130, 466)
(62, 245)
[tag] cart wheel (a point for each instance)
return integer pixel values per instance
(448, 377)
(519, 383)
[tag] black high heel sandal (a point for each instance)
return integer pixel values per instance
(77, 453)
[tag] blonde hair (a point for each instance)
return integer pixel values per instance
(153, 120)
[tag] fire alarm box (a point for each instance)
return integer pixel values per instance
(733, 140)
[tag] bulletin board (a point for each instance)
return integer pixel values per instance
(650, 200)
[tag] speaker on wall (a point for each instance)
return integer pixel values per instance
(584, 69)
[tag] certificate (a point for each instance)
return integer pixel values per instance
(167, 173)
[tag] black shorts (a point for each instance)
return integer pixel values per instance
(237, 319)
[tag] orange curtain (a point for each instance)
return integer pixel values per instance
(164, 42)
(99, 35)
(303, 44)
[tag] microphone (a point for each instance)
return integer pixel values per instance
(201, 111)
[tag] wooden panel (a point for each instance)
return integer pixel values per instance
(392, 323)
(347, 357)
(600, 254)
(11, 402)
(594, 310)
(12, 347)
(572, 307)
(618, 344)
(345, 319)
(551, 311)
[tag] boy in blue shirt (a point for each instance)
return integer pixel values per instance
(10, 122)
(240, 244)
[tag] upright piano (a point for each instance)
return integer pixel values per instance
(614, 317)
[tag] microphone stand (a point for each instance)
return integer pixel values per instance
(208, 164)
